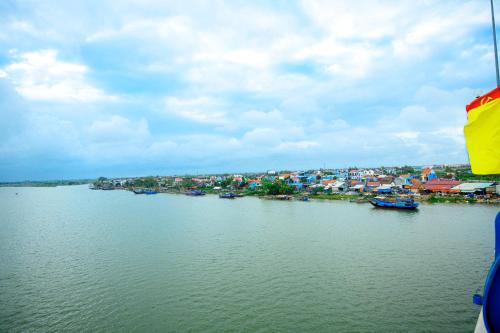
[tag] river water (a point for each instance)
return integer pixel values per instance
(72, 259)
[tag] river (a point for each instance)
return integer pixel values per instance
(72, 259)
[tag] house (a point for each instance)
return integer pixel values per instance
(338, 186)
(355, 182)
(370, 186)
(327, 177)
(311, 179)
(416, 185)
(441, 185)
(328, 183)
(403, 181)
(253, 183)
(355, 174)
(341, 174)
(368, 173)
(385, 180)
(427, 174)
(478, 188)
(356, 188)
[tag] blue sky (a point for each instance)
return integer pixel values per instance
(124, 88)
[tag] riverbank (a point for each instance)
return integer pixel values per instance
(47, 183)
(354, 197)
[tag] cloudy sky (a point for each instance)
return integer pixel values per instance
(131, 87)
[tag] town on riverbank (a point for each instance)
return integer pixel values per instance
(438, 183)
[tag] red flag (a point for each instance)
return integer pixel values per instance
(486, 98)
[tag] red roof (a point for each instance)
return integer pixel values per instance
(426, 171)
(373, 184)
(355, 182)
(415, 183)
(441, 185)
(385, 180)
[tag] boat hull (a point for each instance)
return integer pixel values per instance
(394, 205)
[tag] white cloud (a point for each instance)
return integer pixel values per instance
(201, 109)
(118, 129)
(297, 145)
(41, 76)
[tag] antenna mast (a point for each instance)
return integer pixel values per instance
(495, 42)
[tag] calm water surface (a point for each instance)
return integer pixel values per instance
(72, 259)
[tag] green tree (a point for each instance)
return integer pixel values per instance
(276, 187)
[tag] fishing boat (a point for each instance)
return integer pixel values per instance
(399, 203)
(195, 193)
(228, 195)
(147, 191)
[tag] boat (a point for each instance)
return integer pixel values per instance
(283, 197)
(489, 320)
(399, 203)
(228, 195)
(195, 193)
(147, 191)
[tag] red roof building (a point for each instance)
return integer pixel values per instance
(441, 185)
(386, 180)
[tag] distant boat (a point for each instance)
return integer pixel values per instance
(283, 197)
(195, 193)
(147, 191)
(397, 204)
(304, 198)
(228, 195)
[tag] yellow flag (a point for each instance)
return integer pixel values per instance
(482, 135)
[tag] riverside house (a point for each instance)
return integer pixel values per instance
(440, 185)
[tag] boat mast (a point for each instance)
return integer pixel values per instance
(495, 43)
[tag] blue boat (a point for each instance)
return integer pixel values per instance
(195, 193)
(489, 318)
(229, 195)
(399, 203)
(144, 191)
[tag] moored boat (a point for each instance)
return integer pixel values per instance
(195, 193)
(228, 195)
(144, 191)
(399, 203)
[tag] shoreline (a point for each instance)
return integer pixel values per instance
(355, 198)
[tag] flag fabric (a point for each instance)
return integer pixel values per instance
(482, 133)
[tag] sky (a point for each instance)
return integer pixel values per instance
(130, 88)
